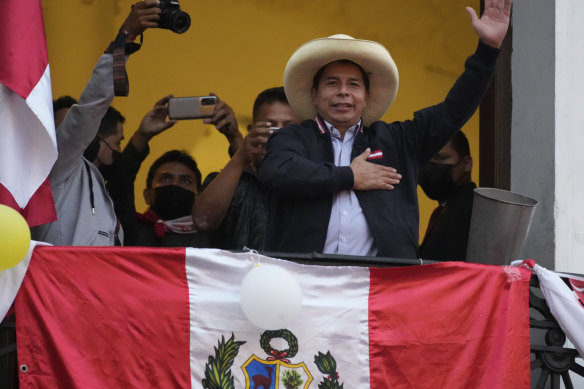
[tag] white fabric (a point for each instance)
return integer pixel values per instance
(28, 143)
(11, 279)
(564, 306)
(333, 309)
(182, 225)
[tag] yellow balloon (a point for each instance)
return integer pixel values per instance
(14, 237)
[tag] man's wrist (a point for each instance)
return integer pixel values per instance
(130, 37)
(143, 136)
(233, 135)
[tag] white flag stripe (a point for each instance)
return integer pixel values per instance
(580, 290)
(570, 276)
(28, 144)
(328, 311)
(564, 306)
(43, 107)
(11, 279)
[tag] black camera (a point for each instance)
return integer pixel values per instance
(172, 17)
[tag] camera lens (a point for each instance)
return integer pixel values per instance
(207, 101)
(181, 22)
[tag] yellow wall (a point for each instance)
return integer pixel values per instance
(237, 48)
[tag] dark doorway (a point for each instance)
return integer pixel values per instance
(495, 123)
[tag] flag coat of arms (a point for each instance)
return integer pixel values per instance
(172, 318)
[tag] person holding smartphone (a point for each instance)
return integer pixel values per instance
(233, 204)
(171, 189)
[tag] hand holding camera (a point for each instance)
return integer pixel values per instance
(157, 14)
(253, 150)
(144, 15)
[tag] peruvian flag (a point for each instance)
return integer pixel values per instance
(566, 305)
(28, 147)
(89, 317)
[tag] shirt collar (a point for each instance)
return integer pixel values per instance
(324, 126)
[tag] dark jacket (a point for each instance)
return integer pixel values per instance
(244, 225)
(448, 238)
(136, 231)
(303, 178)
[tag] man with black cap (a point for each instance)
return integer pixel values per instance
(344, 182)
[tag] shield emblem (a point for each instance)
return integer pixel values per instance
(275, 374)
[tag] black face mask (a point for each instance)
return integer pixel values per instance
(107, 171)
(172, 201)
(436, 180)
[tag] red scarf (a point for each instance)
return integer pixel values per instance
(181, 225)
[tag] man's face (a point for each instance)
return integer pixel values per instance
(109, 144)
(341, 95)
(171, 173)
(277, 113)
(462, 165)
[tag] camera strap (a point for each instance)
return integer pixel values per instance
(119, 48)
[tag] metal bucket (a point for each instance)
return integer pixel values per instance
(499, 226)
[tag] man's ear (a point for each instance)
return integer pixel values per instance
(149, 196)
(313, 95)
(467, 161)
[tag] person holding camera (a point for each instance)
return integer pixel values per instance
(85, 212)
(233, 204)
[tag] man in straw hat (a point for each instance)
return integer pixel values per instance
(334, 181)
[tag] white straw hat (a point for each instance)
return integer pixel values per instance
(371, 56)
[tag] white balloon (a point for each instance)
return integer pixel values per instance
(270, 296)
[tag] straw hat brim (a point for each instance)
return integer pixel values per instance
(371, 56)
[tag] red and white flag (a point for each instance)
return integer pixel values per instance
(28, 148)
(172, 318)
(566, 305)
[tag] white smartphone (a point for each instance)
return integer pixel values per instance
(196, 107)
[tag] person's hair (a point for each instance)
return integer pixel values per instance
(269, 96)
(109, 123)
(318, 75)
(459, 143)
(179, 156)
(63, 102)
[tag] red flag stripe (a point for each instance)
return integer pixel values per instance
(416, 330)
(132, 317)
(23, 46)
(39, 210)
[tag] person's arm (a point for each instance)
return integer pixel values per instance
(153, 123)
(82, 121)
(289, 169)
(433, 126)
(213, 203)
(224, 120)
(492, 26)
(121, 184)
